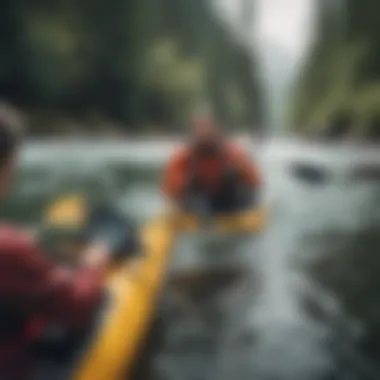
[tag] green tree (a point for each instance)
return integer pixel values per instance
(136, 61)
(343, 71)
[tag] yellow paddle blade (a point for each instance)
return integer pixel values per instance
(67, 211)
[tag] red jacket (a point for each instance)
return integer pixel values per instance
(209, 171)
(32, 287)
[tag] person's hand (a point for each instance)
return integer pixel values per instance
(96, 255)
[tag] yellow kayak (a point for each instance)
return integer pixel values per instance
(134, 290)
(252, 220)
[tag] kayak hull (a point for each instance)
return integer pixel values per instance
(252, 220)
(134, 290)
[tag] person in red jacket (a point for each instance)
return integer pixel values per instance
(211, 174)
(33, 291)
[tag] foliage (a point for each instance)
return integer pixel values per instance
(343, 73)
(139, 62)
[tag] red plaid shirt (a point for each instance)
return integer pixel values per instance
(33, 287)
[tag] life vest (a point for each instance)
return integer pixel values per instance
(208, 172)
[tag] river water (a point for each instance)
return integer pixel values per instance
(306, 304)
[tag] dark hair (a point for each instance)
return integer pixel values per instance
(11, 131)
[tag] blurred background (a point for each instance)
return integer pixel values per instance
(108, 87)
